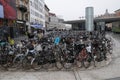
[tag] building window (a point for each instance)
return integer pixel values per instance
(49, 19)
(31, 3)
(26, 17)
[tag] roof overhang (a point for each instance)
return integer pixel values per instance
(106, 20)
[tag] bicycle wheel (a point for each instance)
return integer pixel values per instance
(79, 64)
(86, 63)
(59, 65)
(17, 63)
(26, 64)
(59, 61)
(46, 65)
(67, 65)
(36, 65)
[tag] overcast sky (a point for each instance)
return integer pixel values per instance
(73, 9)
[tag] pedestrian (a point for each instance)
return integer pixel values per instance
(30, 35)
(11, 41)
(3, 42)
(89, 51)
(57, 40)
(40, 35)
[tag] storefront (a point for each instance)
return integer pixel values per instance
(7, 25)
(8, 17)
(21, 27)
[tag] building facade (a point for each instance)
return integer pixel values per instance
(111, 15)
(117, 24)
(55, 22)
(37, 12)
(22, 21)
(61, 25)
(20, 15)
(8, 17)
(46, 17)
(117, 12)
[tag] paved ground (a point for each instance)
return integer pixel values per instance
(104, 73)
(118, 78)
(59, 75)
(108, 72)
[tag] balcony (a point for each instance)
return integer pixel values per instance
(22, 8)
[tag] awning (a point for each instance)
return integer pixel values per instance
(1, 12)
(37, 26)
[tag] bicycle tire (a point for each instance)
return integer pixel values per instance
(86, 63)
(17, 63)
(79, 64)
(36, 66)
(67, 65)
(59, 65)
(26, 64)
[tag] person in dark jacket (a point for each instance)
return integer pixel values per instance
(30, 35)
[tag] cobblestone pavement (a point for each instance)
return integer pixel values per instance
(99, 73)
